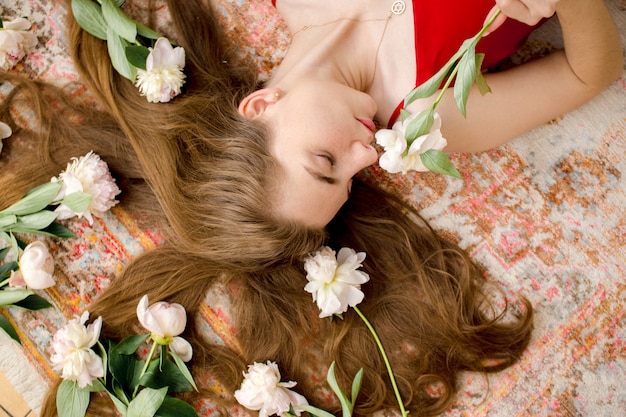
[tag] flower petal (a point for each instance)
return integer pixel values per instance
(182, 348)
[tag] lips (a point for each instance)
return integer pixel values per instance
(368, 124)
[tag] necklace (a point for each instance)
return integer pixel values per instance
(398, 7)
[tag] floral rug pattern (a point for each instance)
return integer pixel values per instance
(546, 215)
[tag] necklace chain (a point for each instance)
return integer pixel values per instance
(398, 7)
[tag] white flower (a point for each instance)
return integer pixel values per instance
(5, 132)
(395, 158)
(261, 390)
(36, 268)
(90, 175)
(72, 354)
(182, 348)
(335, 283)
(163, 320)
(15, 41)
(163, 77)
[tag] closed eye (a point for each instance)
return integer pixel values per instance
(321, 177)
(329, 158)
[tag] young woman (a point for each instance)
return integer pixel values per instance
(220, 160)
(364, 59)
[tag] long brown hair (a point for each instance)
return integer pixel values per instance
(210, 171)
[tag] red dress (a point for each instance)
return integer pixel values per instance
(441, 26)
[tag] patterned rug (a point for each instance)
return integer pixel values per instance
(546, 215)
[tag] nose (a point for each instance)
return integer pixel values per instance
(362, 155)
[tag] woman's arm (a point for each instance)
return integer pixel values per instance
(536, 92)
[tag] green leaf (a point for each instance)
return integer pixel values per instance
(439, 162)
(7, 221)
(314, 411)
(33, 302)
(346, 404)
(119, 404)
(404, 114)
(137, 55)
(420, 125)
(71, 400)
(146, 403)
(10, 297)
(465, 79)
(174, 407)
(89, 16)
(481, 83)
(14, 242)
(8, 328)
(35, 200)
(105, 359)
(356, 385)
(53, 230)
(5, 269)
(77, 202)
(118, 21)
(165, 375)
(120, 394)
(117, 52)
(39, 220)
(129, 345)
(96, 386)
(124, 369)
(57, 230)
(146, 32)
(183, 369)
(430, 86)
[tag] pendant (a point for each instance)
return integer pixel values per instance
(398, 7)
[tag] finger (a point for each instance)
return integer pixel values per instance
(527, 11)
(499, 20)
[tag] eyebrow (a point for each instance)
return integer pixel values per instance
(320, 177)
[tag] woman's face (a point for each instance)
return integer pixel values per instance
(322, 136)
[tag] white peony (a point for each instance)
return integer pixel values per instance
(262, 391)
(335, 283)
(90, 175)
(15, 41)
(72, 355)
(163, 320)
(36, 268)
(396, 158)
(163, 77)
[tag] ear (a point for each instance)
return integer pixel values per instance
(255, 104)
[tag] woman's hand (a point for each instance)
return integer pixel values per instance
(528, 95)
(527, 11)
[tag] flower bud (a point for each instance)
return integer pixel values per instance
(36, 266)
(163, 320)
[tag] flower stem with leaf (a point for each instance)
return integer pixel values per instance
(421, 139)
(396, 391)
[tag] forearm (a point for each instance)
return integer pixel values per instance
(592, 42)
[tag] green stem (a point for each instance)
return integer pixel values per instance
(385, 359)
(145, 367)
(488, 23)
(455, 69)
